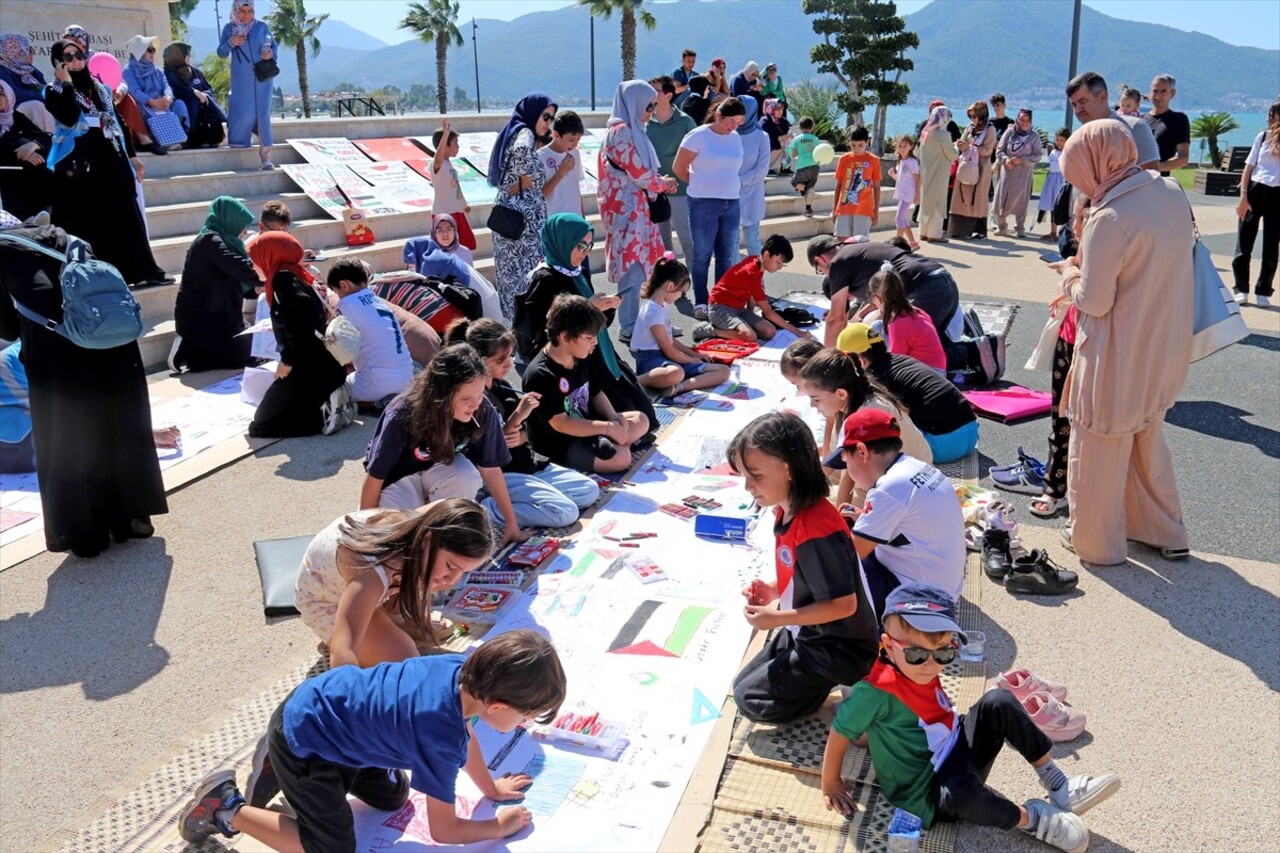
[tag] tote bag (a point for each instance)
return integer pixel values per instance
(1217, 321)
(1042, 356)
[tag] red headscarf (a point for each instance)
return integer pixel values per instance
(278, 251)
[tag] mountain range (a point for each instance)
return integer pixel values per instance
(968, 49)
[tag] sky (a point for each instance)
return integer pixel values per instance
(1254, 23)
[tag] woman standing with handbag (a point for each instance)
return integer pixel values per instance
(969, 204)
(628, 170)
(247, 41)
(518, 176)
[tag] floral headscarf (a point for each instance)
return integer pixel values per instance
(239, 27)
(940, 116)
(14, 50)
(79, 35)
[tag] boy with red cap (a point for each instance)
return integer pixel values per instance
(911, 527)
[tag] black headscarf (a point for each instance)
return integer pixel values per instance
(81, 80)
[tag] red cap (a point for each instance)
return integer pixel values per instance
(864, 425)
(937, 103)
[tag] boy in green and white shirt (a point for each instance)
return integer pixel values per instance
(800, 150)
(932, 761)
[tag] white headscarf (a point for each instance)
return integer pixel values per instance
(629, 102)
(750, 68)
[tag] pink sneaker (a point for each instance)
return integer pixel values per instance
(1022, 683)
(1053, 718)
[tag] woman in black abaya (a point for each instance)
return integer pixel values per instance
(93, 165)
(90, 414)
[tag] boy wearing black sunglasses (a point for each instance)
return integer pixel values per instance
(932, 761)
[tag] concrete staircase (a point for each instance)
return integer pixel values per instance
(179, 186)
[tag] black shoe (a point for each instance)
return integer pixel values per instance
(996, 561)
(134, 528)
(1036, 574)
(156, 148)
(645, 441)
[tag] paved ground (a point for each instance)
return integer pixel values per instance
(112, 666)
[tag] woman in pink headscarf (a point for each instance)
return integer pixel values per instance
(937, 153)
(1132, 286)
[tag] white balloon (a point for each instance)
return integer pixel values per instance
(823, 153)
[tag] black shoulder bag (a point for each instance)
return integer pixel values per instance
(659, 208)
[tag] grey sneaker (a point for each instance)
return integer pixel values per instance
(700, 312)
(1087, 791)
(198, 818)
(262, 786)
(1063, 830)
(702, 331)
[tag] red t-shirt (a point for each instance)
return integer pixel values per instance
(743, 281)
(913, 334)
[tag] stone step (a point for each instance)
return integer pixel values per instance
(204, 161)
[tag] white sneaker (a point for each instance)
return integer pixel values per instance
(1243, 298)
(1262, 301)
(1063, 830)
(334, 410)
(1087, 791)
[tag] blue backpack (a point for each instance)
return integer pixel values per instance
(98, 311)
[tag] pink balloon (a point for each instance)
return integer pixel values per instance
(107, 69)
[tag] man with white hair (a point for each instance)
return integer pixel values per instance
(1171, 128)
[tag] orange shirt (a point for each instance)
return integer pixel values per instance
(856, 177)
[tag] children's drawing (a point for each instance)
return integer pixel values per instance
(660, 629)
(703, 710)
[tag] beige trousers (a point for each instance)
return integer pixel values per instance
(1122, 488)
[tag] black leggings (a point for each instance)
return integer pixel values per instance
(960, 783)
(1055, 473)
(1265, 204)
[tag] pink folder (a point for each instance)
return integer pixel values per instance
(1010, 404)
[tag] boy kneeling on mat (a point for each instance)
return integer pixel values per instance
(930, 760)
(739, 308)
(338, 733)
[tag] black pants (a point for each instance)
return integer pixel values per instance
(880, 582)
(776, 686)
(959, 785)
(1265, 204)
(292, 406)
(317, 791)
(1055, 472)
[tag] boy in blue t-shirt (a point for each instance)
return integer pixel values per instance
(933, 762)
(337, 734)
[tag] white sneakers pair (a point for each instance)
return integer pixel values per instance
(339, 410)
(1259, 300)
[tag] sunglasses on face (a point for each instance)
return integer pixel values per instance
(651, 107)
(584, 246)
(548, 117)
(915, 655)
(72, 56)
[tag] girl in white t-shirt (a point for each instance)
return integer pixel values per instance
(906, 188)
(662, 361)
(1259, 199)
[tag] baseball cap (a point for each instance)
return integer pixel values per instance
(863, 425)
(857, 338)
(925, 607)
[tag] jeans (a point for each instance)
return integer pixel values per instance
(959, 784)
(679, 221)
(953, 445)
(629, 291)
(751, 238)
(714, 223)
(550, 498)
(1265, 204)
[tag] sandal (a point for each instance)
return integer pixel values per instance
(1046, 506)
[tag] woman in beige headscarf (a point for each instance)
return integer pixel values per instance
(1132, 285)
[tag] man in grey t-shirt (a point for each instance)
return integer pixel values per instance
(1087, 94)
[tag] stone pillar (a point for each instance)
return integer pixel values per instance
(111, 23)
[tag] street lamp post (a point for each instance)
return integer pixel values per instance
(592, 18)
(1075, 54)
(475, 55)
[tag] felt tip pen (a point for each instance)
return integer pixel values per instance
(628, 544)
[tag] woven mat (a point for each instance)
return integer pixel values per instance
(770, 792)
(996, 317)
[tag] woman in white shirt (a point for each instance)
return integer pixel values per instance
(1259, 199)
(709, 159)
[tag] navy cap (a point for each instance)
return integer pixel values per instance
(925, 607)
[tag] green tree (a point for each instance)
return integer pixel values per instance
(460, 99)
(179, 11)
(629, 11)
(436, 22)
(863, 42)
(1211, 126)
(217, 71)
(292, 27)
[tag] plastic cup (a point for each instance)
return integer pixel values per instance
(974, 650)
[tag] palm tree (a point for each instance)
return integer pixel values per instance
(291, 27)
(1210, 126)
(629, 10)
(436, 22)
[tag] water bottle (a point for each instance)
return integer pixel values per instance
(904, 832)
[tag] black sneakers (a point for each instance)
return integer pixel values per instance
(996, 560)
(1036, 574)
